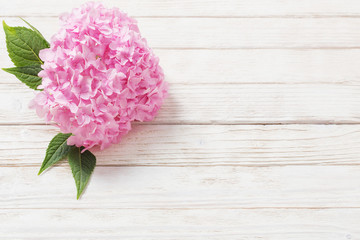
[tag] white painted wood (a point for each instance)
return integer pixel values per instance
(176, 8)
(185, 187)
(197, 145)
(242, 66)
(225, 33)
(228, 62)
(225, 104)
(179, 224)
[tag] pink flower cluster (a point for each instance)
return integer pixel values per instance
(98, 76)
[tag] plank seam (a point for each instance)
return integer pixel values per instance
(306, 16)
(184, 208)
(315, 123)
(60, 165)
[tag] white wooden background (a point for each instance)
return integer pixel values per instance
(259, 139)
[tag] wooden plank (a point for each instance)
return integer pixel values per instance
(214, 8)
(225, 104)
(185, 187)
(242, 66)
(201, 145)
(235, 33)
(139, 224)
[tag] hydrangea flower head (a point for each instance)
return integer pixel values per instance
(98, 76)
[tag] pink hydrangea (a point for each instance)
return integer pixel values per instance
(98, 76)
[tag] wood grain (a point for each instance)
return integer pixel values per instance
(185, 187)
(207, 167)
(201, 145)
(282, 66)
(234, 33)
(225, 104)
(198, 8)
(180, 224)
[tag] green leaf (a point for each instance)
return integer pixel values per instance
(23, 45)
(82, 165)
(56, 151)
(37, 31)
(27, 74)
